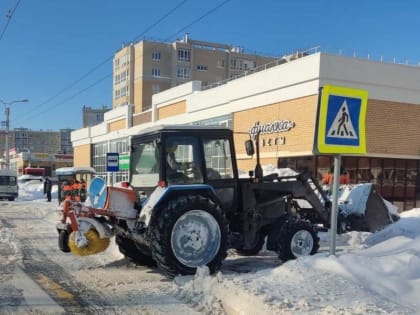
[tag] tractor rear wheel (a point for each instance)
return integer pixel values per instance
(189, 232)
(297, 238)
(129, 249)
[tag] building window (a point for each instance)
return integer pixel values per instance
(124, 60)
(120, 77)
(183, 72)
(99, 158)
(225, 121)
(201, 68)
(184, 55)
(220, 64)
(155, 88)
(242, 64)
(124, 75)
(124, 91)
(156, 55)
(156, 72)
(117, 94)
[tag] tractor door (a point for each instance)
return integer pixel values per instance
(219, 169)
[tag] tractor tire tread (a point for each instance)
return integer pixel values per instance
(287, 232)
(165, 217)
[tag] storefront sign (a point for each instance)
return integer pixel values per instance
(112, 162)
(276, 126)
(272, 127)
(124, 162)
(273, 141)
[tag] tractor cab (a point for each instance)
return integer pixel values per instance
(185, 155)
(67, 176)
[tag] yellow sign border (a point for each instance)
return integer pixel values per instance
(328, 90)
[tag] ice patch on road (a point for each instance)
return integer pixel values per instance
(7, 237)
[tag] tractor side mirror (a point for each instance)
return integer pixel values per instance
(249, 147)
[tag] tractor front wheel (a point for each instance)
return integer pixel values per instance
(297, 238)
(63, 241)
(189, 232)
(129, 249)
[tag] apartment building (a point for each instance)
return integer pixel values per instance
(149, 67)
(93, 116)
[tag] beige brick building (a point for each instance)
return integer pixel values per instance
(288, 93)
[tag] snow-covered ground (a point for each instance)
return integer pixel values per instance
(370, 274)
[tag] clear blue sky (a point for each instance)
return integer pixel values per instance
(49, 45)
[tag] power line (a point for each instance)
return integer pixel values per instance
(68, 99)
(96, 67)
(9, 17)
(108, 75)
(201, 17)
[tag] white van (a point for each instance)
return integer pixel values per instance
(8, 185)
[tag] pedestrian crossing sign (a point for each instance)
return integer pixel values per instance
(341, 120)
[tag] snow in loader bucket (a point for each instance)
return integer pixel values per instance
(365, 209)
(360, 208)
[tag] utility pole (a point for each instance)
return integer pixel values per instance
(7, 115)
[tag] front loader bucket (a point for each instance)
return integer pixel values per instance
(377, 215)
(364, 207)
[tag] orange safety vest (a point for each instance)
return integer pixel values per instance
(67, 191)
(76, 190)
(328, 179)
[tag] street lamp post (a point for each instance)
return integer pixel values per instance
(7, 114)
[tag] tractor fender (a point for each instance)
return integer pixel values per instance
(161, 194)
(84, 224)
(273, 236)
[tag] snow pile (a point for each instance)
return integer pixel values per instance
(201, 290)
(34, 190)
(377, 273)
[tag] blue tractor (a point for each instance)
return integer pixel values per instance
(188, 205)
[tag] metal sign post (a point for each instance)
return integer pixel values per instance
(334, 209)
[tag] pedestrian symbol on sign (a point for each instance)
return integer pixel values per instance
(342, 126)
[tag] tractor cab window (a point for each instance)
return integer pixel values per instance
(145, 165)
(182, 160)
(217, 154)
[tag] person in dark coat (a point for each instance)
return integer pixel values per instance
(48, 188)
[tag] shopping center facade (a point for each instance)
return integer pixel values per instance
(282, 101)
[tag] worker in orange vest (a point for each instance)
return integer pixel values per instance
(83, 190)
(66, 190)
(76, 190)
(328, 177)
